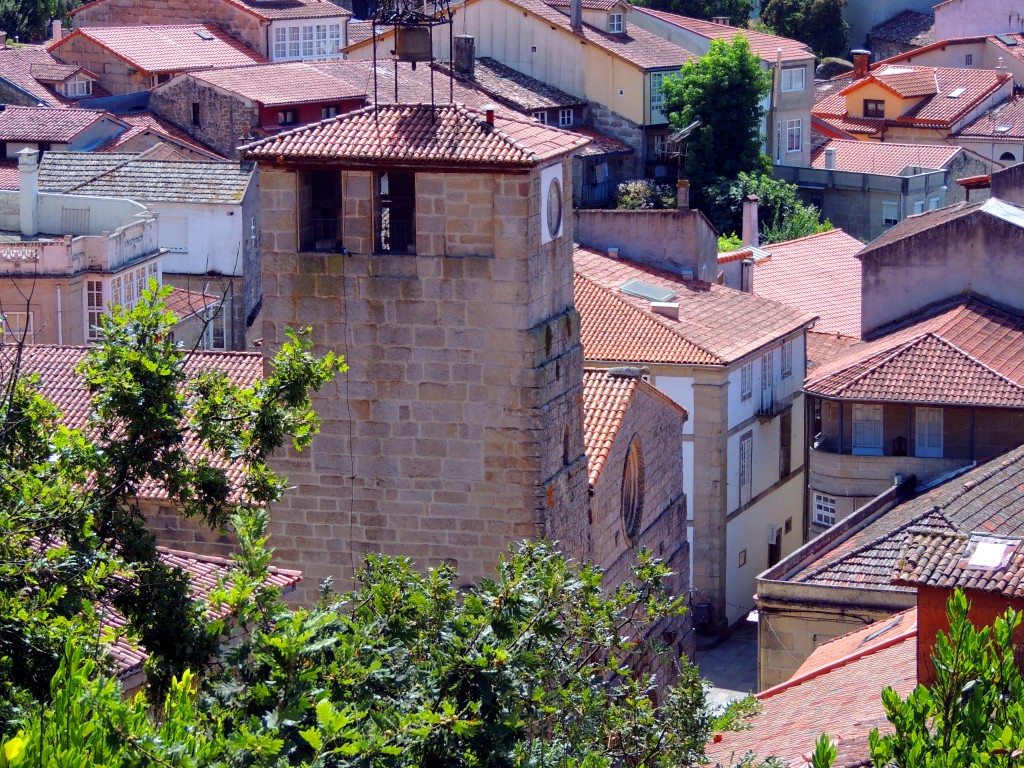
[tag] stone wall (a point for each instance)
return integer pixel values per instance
(239, 23)
(114, 74)
(223, 119)
(623, 129)
(16, 97)
(458, 427)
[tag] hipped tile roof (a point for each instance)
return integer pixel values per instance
(717, 325)
(822, 347)
(882, 157)
(965, 352)
(423, 135)
(168, 48)
(942, 559)
(281, 83)
(766, 46)
(52, 124)
(865, 550)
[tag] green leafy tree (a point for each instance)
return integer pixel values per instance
(972, 715)
(738, 11)
(781, 214)
(818, 23)
(724, 90)
(74, 533)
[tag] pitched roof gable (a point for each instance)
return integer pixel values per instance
(52, 124)
(422, 135)
(883, 158)
(274, 84)
(267, 10)
(946, 561)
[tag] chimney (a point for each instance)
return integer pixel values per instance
(683, 195)
(830, 158)
(747, 275)
(57, 32)
(28, 186)
(750, 235)
(613, 252)
(720, 20)
(464, 55)
(860, 63)
(489, 112)
(576, 14)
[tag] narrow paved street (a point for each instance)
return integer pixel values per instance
(731, 666)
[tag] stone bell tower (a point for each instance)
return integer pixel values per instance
(432, 246)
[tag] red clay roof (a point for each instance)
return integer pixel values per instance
(931, 85)
(146, 122)
(764, 45)
(1005, 121)
(964, 353)
(9, 176)
(860, 642)
(843, 700)
(185, 303)
(420, 134)
(273, 9)
(883, 158)
(716, 326)
(54, 124)
(819, 274)
(590, 5)
(605, 400)
(60, 382)
(278, 84)
(170, 48)
(822, 347)
(942, 559)
(17, 66)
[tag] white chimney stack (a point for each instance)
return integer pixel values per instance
(750, 234)
(830, 158)
(56, 30)
(28, 186)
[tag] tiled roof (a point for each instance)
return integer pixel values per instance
(359, 31)
(850, 125)
(884, 632)
(883, 158)
(590, 5)
(146, 122)
(16, 67)
(169, 48)
(601, 145)
(605, 400)
(1009, 50)
(60, 382)
(932, 85)
(185, 303)
(819, 274)
(910, 27)
(413, 84)
(204, 573)
(966, 352)
(56, 72)
(865, 550)
(764, 45)
(292, 82)
(716, 325)
(1005, 121)
(922, 222)
(525, 93)
(944, 560)
(120, 175)
(9, 176)
(843, 700)
(273, 9)
(417, 133)
(822, 347)
(56, 124)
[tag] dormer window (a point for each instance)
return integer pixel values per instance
(615, 24)
(80, 86)
(874, 108)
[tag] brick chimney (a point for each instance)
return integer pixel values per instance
(750, 234)
(464, 55)
(860, 63)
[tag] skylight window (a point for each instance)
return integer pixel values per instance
(956, 93)
(643, 290)
(1003, 128)
(989, 552)
(1007, 39)
(204, 34)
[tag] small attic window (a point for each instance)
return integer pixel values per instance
(989, 552)
(956, 93)
(615, 24)
(643, 290)
(204, 34)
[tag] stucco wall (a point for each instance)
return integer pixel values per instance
(964, 18)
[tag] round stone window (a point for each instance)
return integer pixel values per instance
(633, 491)
(554, 207)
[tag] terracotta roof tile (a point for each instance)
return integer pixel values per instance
(764, 45)
(605, 400)
(716, 325)
(417, 133)
(276, 84)
(9, 176)
(601, 145)
(822, 347)
(884, 632)
(185, 303)
(413, 84)
(1005, 121)
(169, 48)
(819, 274)
(792, 715)
(883, 158)
(17, 65)
(590, 5)
(525, 93)
(273, 9)
(141, 123)
(964, 353)
(56, 124)
(945, 560)
(988, 499)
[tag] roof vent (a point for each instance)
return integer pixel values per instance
(643, 290)
(721, 20)
(956, 93)
(666, 308)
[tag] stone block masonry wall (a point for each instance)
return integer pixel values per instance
(615, 125)
(458, 428)
(131, 13)
(114, 74)
(222, 118)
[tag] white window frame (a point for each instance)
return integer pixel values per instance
(565, 118)
(767, 369)
(928, 424)
(747, 380)
(745, 468)
(890, 207)
(793, 79)
(307, 41)
(787, 358)
(794, 135)
(824, 510)
(657, 95)
(17, 326)
(541, 116)
(280, 43)
(868, 432)
(283, 116)
(95, 308)
(80, 86)
(215, 333)
(615, 23)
